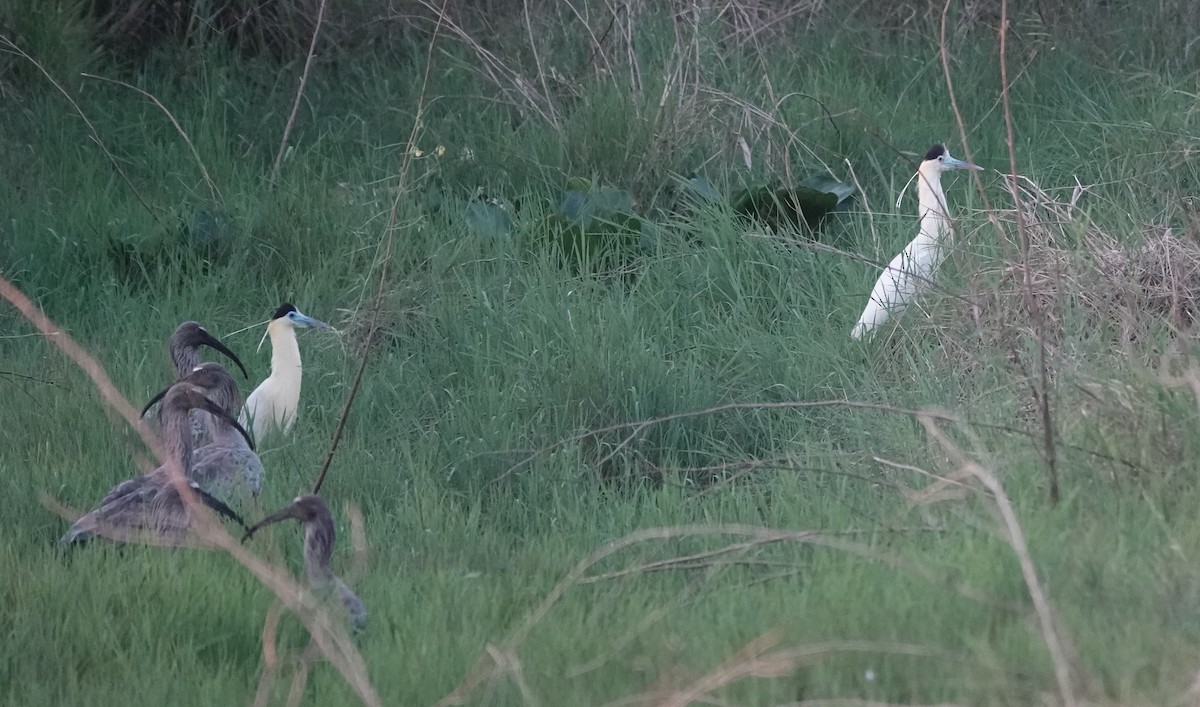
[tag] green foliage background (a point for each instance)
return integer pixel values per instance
(493, 348)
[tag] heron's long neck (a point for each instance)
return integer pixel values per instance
(934, 218)
(285, 354)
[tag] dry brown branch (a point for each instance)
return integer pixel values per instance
(1047, 621)
(329, 634)
(5, 41)
(754, 661)
(291, 121)
(389, 230)
(212, 187)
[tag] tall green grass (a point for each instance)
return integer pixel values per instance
(468, 449)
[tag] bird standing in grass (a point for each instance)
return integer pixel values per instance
(227, 467)
(319, 538)
(184, 350)
(150, 507)
(914, 265)
(273, 404)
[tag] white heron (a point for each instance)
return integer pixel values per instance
(273, 404)
(319, 538)
(149, 507)
(901, 279)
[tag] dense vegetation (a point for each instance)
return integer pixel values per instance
(582, 335)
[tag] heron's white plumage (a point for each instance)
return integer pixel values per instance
(914, 266)
(274, 403)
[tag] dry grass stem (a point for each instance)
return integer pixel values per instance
(5, 41)
(389, 239)
(213, 192)
(291, 121)
(755, 661)
(1047, 622)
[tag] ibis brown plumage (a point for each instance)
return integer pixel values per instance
(149, 508)
(319, 539)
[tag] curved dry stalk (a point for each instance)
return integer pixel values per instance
(266, 683)
(5, 41)
(1044, 610)
(498, 658)
(212, 187)
(291, 121)
(754, 661)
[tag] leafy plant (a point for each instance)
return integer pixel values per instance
(802, 206)
(488, 217)
(595, 228)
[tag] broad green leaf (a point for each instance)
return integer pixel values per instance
(842, 190)
(488, 219)
(775, 206)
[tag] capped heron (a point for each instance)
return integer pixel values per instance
(227, 464)
(319, 538)
(274, 402)
(149, 506)
(900, 280)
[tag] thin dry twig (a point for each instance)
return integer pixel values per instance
(5, 41)
(291, 121)
(381, 291)
(212, 187)
(1032, 303)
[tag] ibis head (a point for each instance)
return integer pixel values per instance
(185, 343)
(319, 537)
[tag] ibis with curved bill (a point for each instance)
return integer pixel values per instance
(319, 538)
(184, 349)
(149, 508)
(228, 466)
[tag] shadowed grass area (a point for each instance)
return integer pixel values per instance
(495, 441)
